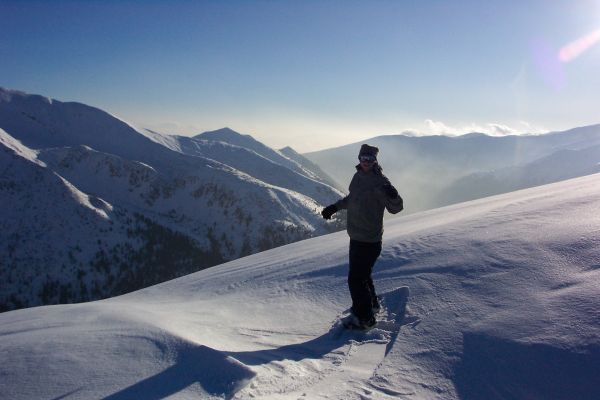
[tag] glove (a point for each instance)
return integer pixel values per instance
(390, 191)
(329, 211)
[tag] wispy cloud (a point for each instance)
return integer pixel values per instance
(433, 127)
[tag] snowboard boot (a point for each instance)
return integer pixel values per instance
(368, 324)
(354, 323)
(376, 305)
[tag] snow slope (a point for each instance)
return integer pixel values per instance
(505, 303)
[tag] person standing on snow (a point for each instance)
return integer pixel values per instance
(370, 194)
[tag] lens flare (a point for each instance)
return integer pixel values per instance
(577, 47)
(548, 65)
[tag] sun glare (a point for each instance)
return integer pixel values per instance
(572, 50)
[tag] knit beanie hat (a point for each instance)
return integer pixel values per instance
(366, 150)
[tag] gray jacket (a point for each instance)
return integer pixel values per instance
(366, 203)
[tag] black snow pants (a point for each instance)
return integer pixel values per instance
(362, 258)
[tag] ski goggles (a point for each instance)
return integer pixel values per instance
(367, 158)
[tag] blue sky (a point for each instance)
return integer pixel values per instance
(311, 74)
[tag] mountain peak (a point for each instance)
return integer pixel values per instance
(230, 136)
(472, 135)
(288, 149)
(7, 95)
(224, 133)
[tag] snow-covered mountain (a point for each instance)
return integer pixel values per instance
(504, 304)
(244, 153)
(434, 171)
(96, 207)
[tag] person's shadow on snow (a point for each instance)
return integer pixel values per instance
(315, 349)
(221, 373)
(216, 372)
